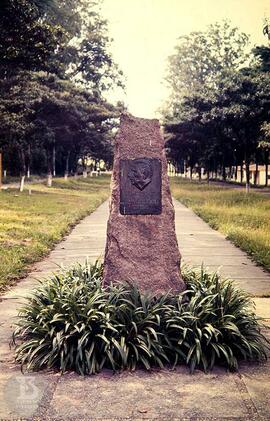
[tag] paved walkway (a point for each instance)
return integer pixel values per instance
(158, 395)
(201, 244)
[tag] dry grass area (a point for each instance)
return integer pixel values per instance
(243, 218)
(31, 224)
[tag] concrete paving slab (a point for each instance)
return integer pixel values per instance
(260, 288)
(56, 263)
(256, 380)
(217, 260)
(212, 251)
(74, 254)
(156, 395)
(263, 307)
(21, 396)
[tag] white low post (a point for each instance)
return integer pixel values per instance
(49, 180)
(22, 183)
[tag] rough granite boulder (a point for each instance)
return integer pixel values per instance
(141, 242)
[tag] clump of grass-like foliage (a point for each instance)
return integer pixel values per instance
(72, 322)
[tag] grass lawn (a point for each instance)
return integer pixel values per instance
(244, 219)
(31, 224)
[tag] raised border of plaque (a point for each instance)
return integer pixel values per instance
(140, 186)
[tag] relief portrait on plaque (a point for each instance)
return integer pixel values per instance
(141, 173)
(140, 186)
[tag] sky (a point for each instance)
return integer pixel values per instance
(146, 31)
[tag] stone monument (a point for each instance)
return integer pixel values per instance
(141, 242)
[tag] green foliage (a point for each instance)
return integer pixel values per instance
(265, 130)
(27, 40)
(266, 27)
(55, 65)
(262, 54)
(59, 114)
(221, 126)
(217, 107)
(72, 322)
(200, 58)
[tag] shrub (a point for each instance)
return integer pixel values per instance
(72, 322)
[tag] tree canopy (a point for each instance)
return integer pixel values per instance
(219, 108)
(201, 59)
(55, 65)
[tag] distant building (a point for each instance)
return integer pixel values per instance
(230, 173)
(261, 175)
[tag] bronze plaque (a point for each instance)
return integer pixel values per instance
(140, 186)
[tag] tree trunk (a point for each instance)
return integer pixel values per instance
(49, 168)
(98, 167)
(49, 179)
(223, 172)
(22, 183)
(54, 159)
(256, 173)
(191, 172)
(185, 169)
(28, 161)
(84, 162)
(208, 176)
(236, 173)
(241, 173)
(23, 169)
(200, 174)
(247, 175)
(266, 173)
(67, 166)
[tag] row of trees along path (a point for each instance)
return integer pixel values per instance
(55, 69)
(217, 116)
